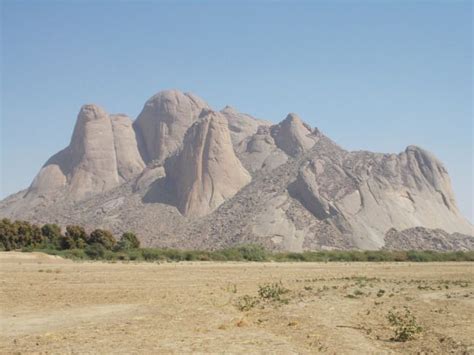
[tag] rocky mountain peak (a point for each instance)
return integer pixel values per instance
(206, 171)
(102, 154)
(292, 135)
(163, 122)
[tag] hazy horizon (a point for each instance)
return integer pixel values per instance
(371, 76)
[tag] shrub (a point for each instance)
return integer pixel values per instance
(378, 255)
(227, 254)
(296, 256)
(253, 252)
(272, 291)
(134, 255)
(246, 303)
(419, 256)
(128, 241)
(95, 251)
(103, 237)
(78, 253)
(150, 254)
(404, 325)
(173, 254)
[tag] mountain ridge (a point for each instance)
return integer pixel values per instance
(183, 175)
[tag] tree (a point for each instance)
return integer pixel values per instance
(7, 234)
(128, 241)
(52, 232)
(103, 237)
(27, 234)
(36, 236)
(75, 237)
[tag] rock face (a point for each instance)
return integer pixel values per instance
(206, 172)
(185, 176)
(163, 122)
(367, 193)
(259, 151)
(241, 125)
(292, 135)
(102, 154)
(129, 161)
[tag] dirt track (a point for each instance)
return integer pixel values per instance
(58, 306)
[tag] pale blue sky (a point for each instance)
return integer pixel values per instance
(376, 75)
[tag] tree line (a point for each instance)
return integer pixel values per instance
(23, 234)
(100, 244)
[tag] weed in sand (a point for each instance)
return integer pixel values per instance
(246, 303)
(404, 325)
(272, 291)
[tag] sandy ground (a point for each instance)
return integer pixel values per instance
(51, 305)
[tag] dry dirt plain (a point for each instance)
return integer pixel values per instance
(51, 305)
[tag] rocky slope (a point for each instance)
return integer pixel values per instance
(183, 175)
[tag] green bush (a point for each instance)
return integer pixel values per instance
(253, 252)
(135, 255)
(272, 291)
(247, 252)
(77, 253)
(150, 254)
(95, 251)
(128, 241)
(103, 237)
(404, 325)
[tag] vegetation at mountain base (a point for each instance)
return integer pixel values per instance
(76, 243)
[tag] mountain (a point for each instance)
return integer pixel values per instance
(184, 175)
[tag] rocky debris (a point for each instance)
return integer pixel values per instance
(420, 238)
(206, 171)
(163, 122)
(292, 135)
(102, 154)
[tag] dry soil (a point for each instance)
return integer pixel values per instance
(51, 305)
